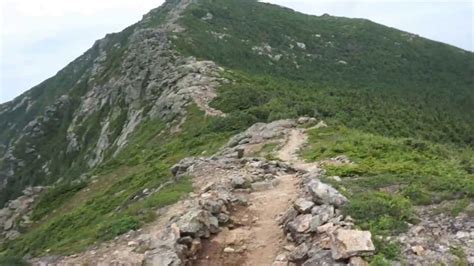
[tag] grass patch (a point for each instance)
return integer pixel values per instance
(55, 197)
(459, 252)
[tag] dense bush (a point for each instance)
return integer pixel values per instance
(380, 212)
(394, 83)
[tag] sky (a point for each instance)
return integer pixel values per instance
(39, 37)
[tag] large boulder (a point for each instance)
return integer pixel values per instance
(351, 243)
(197, 223)
(181, 167)
(239, 181)
(325, 194)
(321, 215)
(300, 224)
(303, 206)
(300, 253)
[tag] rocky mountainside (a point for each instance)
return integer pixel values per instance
(142, 120)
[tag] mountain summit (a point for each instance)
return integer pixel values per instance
(231, 96)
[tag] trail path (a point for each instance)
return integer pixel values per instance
(266, 237)
(289, 153)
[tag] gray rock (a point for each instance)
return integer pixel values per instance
(212, 206)
(288, 216)
(325, 194)
(303, 206)
(321, 258)
(301, 224)
(196, 223)
(321, 215)
(182, 166)
(300, 253)
(238, 181)
(12, 234)
(8, 224)
(166, 257)
(223, 218)
(261, 186)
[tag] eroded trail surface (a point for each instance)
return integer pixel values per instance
(266, 237)
(260, 239)
(245, 210)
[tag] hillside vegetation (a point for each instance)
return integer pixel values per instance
(357, 72)
(400, 106)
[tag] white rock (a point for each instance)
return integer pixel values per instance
(350, 243)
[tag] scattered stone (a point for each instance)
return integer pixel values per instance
(132, 244)
(264, 185)
(418, 250)
(335, 178)
(229, 250)
(321, 124)
(301, 45)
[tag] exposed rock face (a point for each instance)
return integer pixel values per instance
(15, 214)
(151, 81)
(431, 240)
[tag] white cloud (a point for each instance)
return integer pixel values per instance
(38, 37)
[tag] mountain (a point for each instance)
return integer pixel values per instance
(102, 133)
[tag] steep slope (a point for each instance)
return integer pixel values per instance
(354, 71)
(104, 132)
(86, 112)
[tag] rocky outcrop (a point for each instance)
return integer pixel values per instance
(123, 80)
(16, 213)
(438, 235)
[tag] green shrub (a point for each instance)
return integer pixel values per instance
(117, 227)
(380, 212)
(379, 260)
(12, 261)
(389, 250)
(418, 194)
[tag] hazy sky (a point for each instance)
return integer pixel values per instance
(39, 37)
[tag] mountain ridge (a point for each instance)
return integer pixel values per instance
(106, 130)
